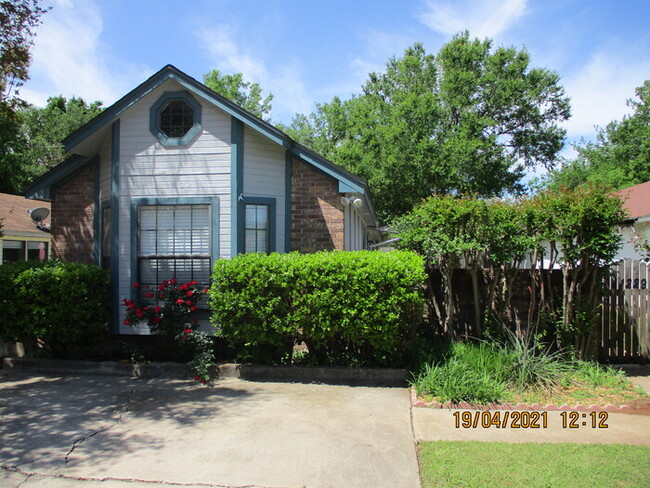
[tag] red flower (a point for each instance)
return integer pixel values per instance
(136, 284)
(161, 287)
(180, 301)
(192, 283)
(157, 309)
(204, 382)
(126, 322)
(193, 308)
(189, 293)
(197, 378)
(188, 303)
(149, 294)
(184, 286)
(157, 320)
(206, 290)
(131, 306)
(146, 309)
(172, 281)
(188, 331)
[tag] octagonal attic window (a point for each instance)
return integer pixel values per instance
(175, 118)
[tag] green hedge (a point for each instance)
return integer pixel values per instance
(348, 307)
(63, 305)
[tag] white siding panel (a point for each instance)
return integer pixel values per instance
(149, 170)
(264, 176)
(354, 230)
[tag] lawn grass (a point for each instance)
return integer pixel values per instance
(479, 464)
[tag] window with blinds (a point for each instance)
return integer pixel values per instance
(174, 242)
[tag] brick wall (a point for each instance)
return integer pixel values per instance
(316, 210)
(72, 218)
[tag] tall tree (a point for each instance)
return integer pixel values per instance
(621, 155)
(18, 20)
(244, 93)
(469, 119)
(45, 128)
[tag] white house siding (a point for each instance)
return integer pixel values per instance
(264, 176)
(355, 230)
(631, 235)
(149, 170)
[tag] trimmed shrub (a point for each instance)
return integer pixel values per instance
(348, 307)
(10, 303)
(64, 305)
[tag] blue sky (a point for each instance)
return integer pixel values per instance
(306, 52)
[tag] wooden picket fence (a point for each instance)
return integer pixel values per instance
(625, 313)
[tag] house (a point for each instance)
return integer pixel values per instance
(173, 176)
(24, 234)
(637, 230)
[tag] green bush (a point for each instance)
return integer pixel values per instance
(64, 305)
(348, 307)
(10, 303)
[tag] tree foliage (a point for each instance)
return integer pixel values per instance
(45, 128)
(18, 20)
(244, 93)
(621, 155)
(36, 144)
(575, 231)
(469, 119)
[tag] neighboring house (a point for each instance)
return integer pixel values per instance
(23, 237)
(174, 176)
(637, 231)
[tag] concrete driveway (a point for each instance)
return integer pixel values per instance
(94, 431)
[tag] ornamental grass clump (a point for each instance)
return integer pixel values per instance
(469, 372)
(170, 310)
(534, 365)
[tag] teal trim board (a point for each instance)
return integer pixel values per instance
(115, 223)
(236, 184)
(288, 168)
(96, 212)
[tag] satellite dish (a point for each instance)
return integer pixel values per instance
(39, 214)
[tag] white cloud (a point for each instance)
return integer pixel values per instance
(69, 58)
(285, 80)
(599, 92)
(483, 18)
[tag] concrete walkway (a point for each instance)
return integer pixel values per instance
(92, 431)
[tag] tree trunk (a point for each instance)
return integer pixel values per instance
(477, 302)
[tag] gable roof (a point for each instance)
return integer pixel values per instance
(15, 217)
(348, 182)
(637, 200)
